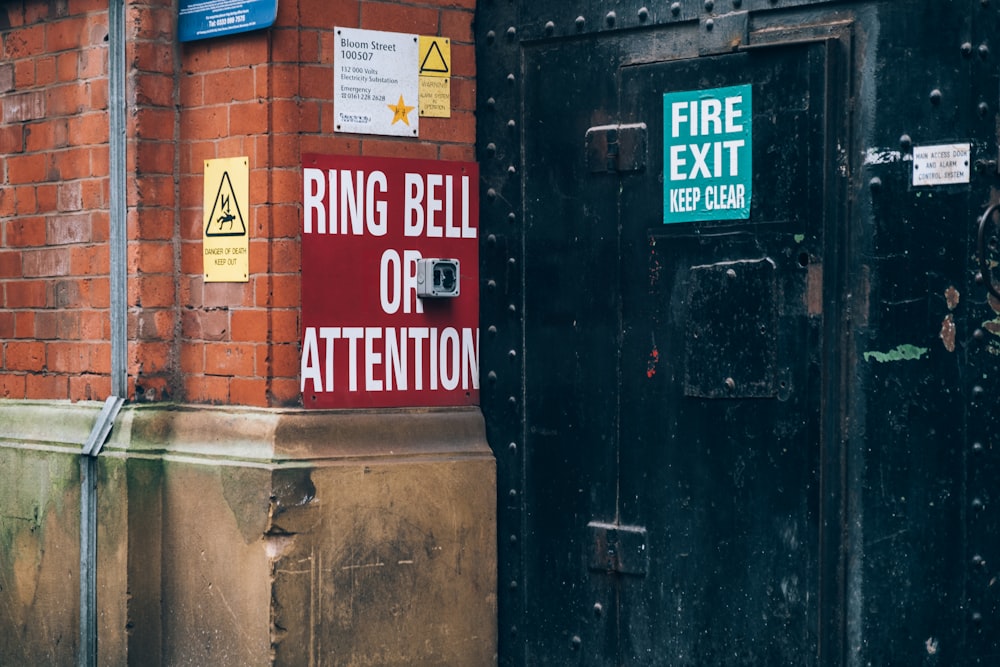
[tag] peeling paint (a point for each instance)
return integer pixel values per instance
(899, 353)
(885, 156)
(948, 333)
(951, 297)
(654, 359)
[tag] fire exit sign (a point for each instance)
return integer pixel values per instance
(707, 148)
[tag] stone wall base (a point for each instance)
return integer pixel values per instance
(237, 536)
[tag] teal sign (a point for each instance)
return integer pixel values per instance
(707, 146)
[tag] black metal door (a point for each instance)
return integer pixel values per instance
(674, 373)
(722, 457)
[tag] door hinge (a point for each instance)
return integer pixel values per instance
(616, 148)
(618, 548)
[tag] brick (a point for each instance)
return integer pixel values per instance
(26, 201)
(248, 391)
(65, 34)
(25, 42)
(153, 57)
(156, 124)
(12, 386)
(46, 262)
(205, 55)
(89, 260)
(76, 7)
(46, 386)
(206, 389)
(155, 291)
(151, 258)
(458, 152)
(382, 148)
(324, 14)
(10, 264)
(70, 163)
(89, 387)
(6, 324)
(284, 360)
(67, 66)
(192, 359)
(24, 324)
(191, 89)
(69, 357)
(154, 190)
(6, 77)
(70, 228)
(70, 197)
(99, 160)
(45, 70)
(25, 294)
(284, 325)
(191, 258)
(153, 357)
(249, 325)
(204, 123)
(232, 85)
(153, 23)
(24, 232)
(457, 25)
(395, 17)
(152, 325)
(250, 48)
(232, 359)
(24, 73)
(284, 393)
(46, 135)
(98, 89)
(155, 89)
(94, 325)
(210, 325)
(248, 118)
(46, 196)
(461, 127)
(88, 128)
(24, 355)
(21, 107)
(67, 99)
(216, 295)
(284, 290)
(57, 324)
(92, 62)
(151, 224)
(155, 157)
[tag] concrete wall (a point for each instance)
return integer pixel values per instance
(237, 536)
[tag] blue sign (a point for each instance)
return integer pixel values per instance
(707, 150)
(201, 19)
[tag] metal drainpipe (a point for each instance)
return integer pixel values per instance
(118, 273)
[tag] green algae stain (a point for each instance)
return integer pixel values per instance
(899, 353)
(799, 238)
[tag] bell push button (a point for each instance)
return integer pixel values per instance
(437, 278)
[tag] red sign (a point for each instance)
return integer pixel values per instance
(375, 332)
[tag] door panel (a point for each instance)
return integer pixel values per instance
(720, 448)
(672, 374)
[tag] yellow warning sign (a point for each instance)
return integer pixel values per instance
(225, 239)
(435, 77)
(435, 56)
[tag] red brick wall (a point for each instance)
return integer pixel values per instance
(54, 201)
(266, 95)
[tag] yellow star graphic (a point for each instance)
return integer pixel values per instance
(399, 111)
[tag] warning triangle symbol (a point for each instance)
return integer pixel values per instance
(434, 60)
(226, 218)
